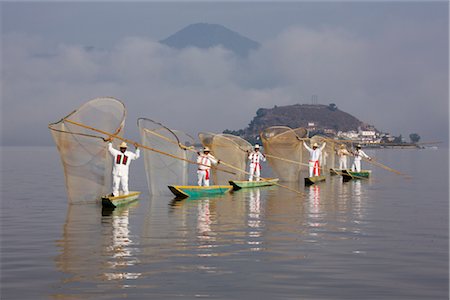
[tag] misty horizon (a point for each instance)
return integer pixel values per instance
(393, 75)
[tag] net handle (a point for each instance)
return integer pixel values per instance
(142, 146)
(184, 147)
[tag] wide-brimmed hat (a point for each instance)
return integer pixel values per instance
(342, 146)
(256, 146)
(123, 145)
(358, 146)
(206, 149)
(315, 145)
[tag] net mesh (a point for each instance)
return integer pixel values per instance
(283, 142)
(86, 162)
(230, 149)
(301, 132)
(163, 170)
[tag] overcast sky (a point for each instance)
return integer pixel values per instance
(386, 63)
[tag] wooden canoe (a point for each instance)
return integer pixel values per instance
(349, 175)
(314, 180)
(335, 171)
(184, 191)
(241, 184)
(111, 201)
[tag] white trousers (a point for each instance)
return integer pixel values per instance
(356, 167)
(117, 180)
(342, 162)
(201, 175)
(254, 171)
(314, 168)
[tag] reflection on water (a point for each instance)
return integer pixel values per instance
(97, 245)
(336, 208)
(298, 243)
(384, 238)
(120, 248)
(205, 234)
(254, 221)
(80, 252)
(314, 215)
(357, 197)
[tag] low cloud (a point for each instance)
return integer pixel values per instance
(382, 80)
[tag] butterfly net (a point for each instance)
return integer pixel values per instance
(283, 147)
(232, 151)
(163, 170)
(84, 155)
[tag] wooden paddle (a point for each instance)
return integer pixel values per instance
(142, 146)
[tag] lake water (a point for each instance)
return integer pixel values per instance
(385, 238)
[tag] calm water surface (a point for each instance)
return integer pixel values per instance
(386, 238)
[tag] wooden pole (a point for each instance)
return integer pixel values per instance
(286, 160)
(378, 164)
(140, 145)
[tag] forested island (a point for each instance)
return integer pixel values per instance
(326, 120)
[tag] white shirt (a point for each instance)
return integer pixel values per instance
(205, 161)
(122, 160)
(342, 152)
(359, 154)
(255, 157)
(314, 155)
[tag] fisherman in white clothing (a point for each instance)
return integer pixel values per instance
(205, 160)
(358, 155)
(255, 157)
(314, 156)
(121, 162)
(342, 153)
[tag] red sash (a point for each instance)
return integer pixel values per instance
(316, 168)
(207, 174)
(255, 160)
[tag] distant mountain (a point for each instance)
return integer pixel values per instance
(204, 35)
(326, 118)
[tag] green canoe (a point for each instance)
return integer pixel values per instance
(184, 191)
(241, 184)
(314, 179)
(349, 175)
(111, 201)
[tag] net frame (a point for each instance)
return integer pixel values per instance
(162, 170)
(86, 162)
(283, 142)
(231, 149)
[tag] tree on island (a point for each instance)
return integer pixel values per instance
(414, 137)
(398, 139)
(239, 132)
(332, 107)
